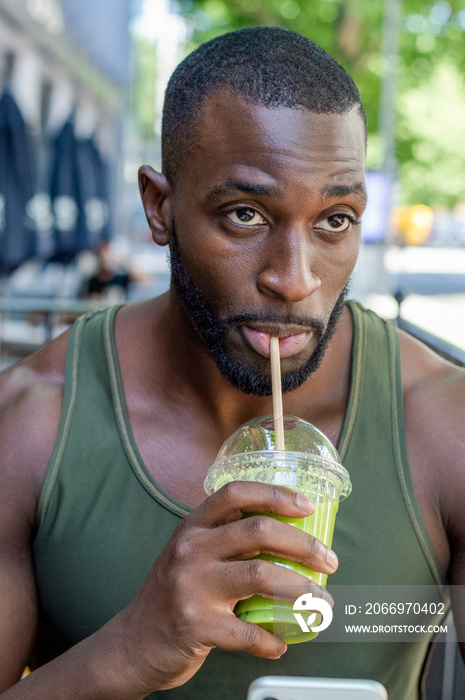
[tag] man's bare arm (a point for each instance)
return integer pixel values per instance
(30, 404)
(454, 457)
(18, 605)
(435, 420)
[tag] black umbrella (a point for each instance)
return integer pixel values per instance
(78, 195)
(94, 196)
(17, 236)
(65, 194)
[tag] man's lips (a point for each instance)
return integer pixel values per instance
(291, 341)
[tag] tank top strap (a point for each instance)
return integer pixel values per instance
(376, 414)
(88, 328)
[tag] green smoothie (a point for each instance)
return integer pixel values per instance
(309, 465)
(278, 616)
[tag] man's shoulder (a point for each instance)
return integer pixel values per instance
(434, 405)
(36, 376)
(426, 376)
(434, 409)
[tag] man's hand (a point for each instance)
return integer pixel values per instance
(185, 607)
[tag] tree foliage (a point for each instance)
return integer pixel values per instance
(142, 99)
(431, 92)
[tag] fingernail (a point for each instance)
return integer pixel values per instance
(332, 559)
(304, 503)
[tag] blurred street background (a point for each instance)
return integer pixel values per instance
(81, 89)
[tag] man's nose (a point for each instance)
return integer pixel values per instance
(289, 270)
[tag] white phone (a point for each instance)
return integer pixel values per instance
(294, 688)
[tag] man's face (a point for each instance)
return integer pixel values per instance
(266, 232)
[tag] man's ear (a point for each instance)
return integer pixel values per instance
(156, 194)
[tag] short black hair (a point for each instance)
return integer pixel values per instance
(269, 66)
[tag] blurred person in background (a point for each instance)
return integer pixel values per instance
(111, 279)
(119, 578)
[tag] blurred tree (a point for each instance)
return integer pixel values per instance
(143, 91)
(431, 96)
(431, 146)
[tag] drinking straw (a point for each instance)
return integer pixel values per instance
(277, 392)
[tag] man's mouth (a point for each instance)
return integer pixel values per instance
(291, 340)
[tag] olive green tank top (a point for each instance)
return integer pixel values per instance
(103, 520)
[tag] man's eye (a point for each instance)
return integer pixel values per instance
(244, 216)
(336, 223)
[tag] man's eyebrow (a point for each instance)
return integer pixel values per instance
(344, 190)
(233, 186)
(230, 187)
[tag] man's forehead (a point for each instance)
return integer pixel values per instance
(254, 148)
(229, 123)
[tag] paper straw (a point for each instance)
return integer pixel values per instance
(276, 389)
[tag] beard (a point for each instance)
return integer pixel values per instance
(213, 331)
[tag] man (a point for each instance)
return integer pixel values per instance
(108, 431)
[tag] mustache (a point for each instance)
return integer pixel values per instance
(289, 319)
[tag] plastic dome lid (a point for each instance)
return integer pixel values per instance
(255, 442)
(258, 435)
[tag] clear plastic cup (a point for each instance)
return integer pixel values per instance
(310, 465)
